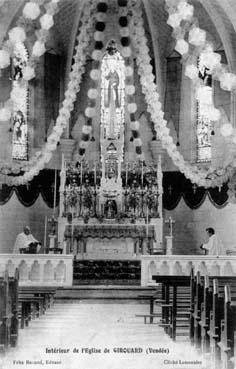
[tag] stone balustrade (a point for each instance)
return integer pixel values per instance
(39, 269)
(182, 264)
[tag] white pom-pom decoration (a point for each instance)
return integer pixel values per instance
(130, 89)
(132, 108)
(38, 49)
(197, 36)
(191, 71)
(92, 93)
(210, 59)
(98, 36)
(137, 142)
(5, 114)
(185, 10)
(46, 21)
(17, 34)
(204, 94)
(226, 130)
(97, 54)
(90, 112)
(4, 59)
(31, 10)
(134, 126)
(124, 31)
(228, 81)
(129, 71)
(174, 20)
(86, 130)
(28, 73)
(182, 46)
(101, 17)
(126, 52)
(83, 144)
(95, 74)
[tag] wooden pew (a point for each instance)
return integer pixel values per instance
(228, 328)
(8, 310)
(170, 308)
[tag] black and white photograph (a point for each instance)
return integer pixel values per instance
(118, 184)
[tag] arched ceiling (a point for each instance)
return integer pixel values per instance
(218, 17)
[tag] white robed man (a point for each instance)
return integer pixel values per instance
(214, 246)
(24, 240)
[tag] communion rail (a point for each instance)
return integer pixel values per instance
(182, 264)
(39, 270)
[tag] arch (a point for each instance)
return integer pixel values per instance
(177, 269)
(34, 274)
(215, 269)
(164, 269)
(60, 272)
(23, 271)
(152, 270)
(48, 272)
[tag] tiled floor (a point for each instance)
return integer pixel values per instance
(92, 327)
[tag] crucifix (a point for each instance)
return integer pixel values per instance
(194, 188)
(170, 222)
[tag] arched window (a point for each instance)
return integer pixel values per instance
(204, 124)
(20, 107)
(112, 92)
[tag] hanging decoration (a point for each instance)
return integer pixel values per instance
(130, 88)
(37, 163)
(201, 176)
(92, 94)
(186, 30)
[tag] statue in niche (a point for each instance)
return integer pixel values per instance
(110, 209)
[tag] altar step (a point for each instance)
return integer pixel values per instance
(107, 272)
(105, 293)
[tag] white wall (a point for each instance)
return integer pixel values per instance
(13, 217)
(189, 228)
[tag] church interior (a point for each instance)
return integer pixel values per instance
(118, 183)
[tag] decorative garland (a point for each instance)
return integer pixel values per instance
(130, 88)
(92, 94)
(38, 162)
(191, 42)
(200, 176)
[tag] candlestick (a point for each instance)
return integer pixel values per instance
(45, 233)
(95, 176)
(81, 173)
(126, 175)
(55, 193)
(142, 175)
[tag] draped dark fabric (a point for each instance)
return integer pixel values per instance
(42, 184)
(175, 187)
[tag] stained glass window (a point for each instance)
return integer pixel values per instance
(20, 107)
(112, 92)
(204, 124)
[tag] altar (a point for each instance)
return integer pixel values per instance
(109, 241)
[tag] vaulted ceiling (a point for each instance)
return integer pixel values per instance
(218, 17)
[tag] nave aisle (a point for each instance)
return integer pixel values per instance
(98, 325)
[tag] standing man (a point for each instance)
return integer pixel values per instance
(214, 245)
(24, 240)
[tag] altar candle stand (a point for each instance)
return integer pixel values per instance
(126, 175)
(95, 176)
(81, 173)
(147, 229)
(142, 175)
(55, 194)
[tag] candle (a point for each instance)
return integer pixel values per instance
(95, 176)
(45, 233)
(126, 175)
(55, 193)
(142, 175)
(81, 173)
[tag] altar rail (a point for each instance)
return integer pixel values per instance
(182, 264)
(39, 270)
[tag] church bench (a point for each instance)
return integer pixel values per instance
(149, 317)
(173, 313)
(8, 310)
(201, 305)
(228, 328)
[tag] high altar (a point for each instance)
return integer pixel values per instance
(111, 208)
